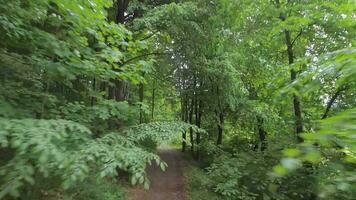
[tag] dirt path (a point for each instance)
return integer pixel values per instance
(168, 185)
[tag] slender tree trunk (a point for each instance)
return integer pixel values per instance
(261, 144)
(198, 114)
(219, 118)
(94, 88)
(153, 100)
(220, 128)
(262, 134)
(111, 90)
(118, 91)
(102, 88)
(296, 101)
(141, 96)
(183, 116)
(191, 110)
(293, 74)
(196, 108)
(45, 99)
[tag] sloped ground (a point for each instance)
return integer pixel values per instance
(168, 185)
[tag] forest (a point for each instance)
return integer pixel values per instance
(177, 99)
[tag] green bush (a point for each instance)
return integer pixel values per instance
(248, 175)
(40, 151)
(92, 188)
(199, 184)
(97, 189)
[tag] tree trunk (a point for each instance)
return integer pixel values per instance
(198, 114)
(153, 100)
(183, 117)
(141, 96)
(92, 101)
(293, 73)
(121, 9)
(191, 110)
(219, 118)
(220, 128)
(118, 91)
(296, 101)
(262, 135)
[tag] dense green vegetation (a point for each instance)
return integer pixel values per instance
(262, 94)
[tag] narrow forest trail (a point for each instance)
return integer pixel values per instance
(168, 185)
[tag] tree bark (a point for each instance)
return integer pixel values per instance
(118, 91)
(141, 96)
(198, 114)
(220, 118)
(103, 88)
(191, 110)
(183, 117)
(296, 102)
(153, 100)
(92, 101)
(121, 9)
(262, 135)
(220, 128)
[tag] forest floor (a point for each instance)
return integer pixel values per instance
(167, 185)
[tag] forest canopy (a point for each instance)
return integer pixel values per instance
(261, 94)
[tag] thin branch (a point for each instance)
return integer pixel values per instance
(141, 56)
(299, 34)
(149, 36)
(332, 101)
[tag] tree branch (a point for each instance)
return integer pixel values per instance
(332, 101)
(149, 36)
(141, 56)
(299, 34)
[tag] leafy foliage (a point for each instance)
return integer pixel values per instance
(262, 92)
(52, 148)
(40, 146)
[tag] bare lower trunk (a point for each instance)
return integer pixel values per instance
(183, 117)
(198, 114)
(191, 110)
(92, 101)
(153, 100)
(220, 128)
(141, 96)
(262, 144)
